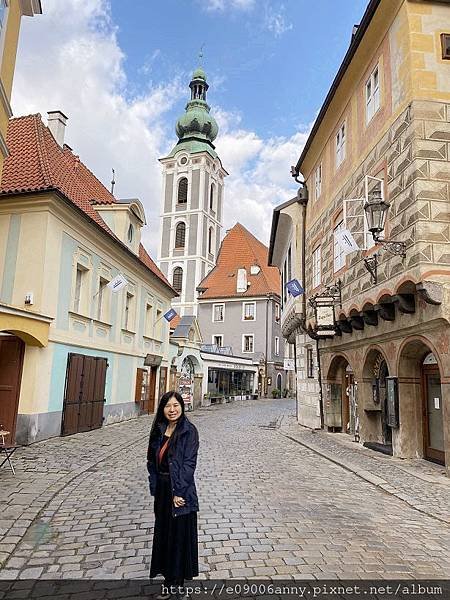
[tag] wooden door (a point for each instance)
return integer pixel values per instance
(84, 396)
(162, 380)
(433, 421)
(152, 389)
(11, 362)
(146, 390)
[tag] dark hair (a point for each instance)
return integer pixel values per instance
(159, 417)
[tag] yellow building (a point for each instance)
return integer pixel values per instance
(382, 136)
(11, 13)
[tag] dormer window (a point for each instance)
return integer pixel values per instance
(130, 234)
(182, 191)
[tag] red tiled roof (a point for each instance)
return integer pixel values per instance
(37, 163)
(175, 322)
(241, 250)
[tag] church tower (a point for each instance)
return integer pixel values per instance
(193, 179)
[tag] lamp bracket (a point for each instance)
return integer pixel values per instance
(371, 264)
(333, 291)
(393, 247)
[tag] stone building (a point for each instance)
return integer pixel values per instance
(239, 308)
(193, 179)
(383, 133)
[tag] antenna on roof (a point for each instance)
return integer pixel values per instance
(113, 181)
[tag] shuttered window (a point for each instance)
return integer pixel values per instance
(177, 279)
(182, 191)
(180, 235)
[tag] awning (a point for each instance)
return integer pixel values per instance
(31, 327)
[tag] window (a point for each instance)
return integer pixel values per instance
(372, 94)
(182, 191)
(445, 43)
(338, 253)
(318, 181)
(180, 235)
(148, 320)
(249, 311)
(101, 312)
(80, 284)
(277, 346)
(218, 313)
(158, 324)
(248, 343)
(177, 279)
(217, 340)
(340, 145)
(128, 312)
(309, 363)
(316, 267)
(211, 197)
(277, 312)
(210, 240)
(130, 233)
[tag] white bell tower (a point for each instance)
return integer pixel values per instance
(193, 179)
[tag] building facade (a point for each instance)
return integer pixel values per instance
(74, 353)
(239, 307)
(383, 132)
(11, 13)
(193, 180)
(286, 252)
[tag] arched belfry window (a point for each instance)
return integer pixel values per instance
(211, 197)
(177, 279)
(180, 235)
(210, 240)
(182, 191)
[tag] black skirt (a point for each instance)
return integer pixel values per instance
(175, 539)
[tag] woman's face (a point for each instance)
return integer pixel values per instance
(172, 410)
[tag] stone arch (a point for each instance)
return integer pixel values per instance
(373, 399)
(340, 398)
(412, 438)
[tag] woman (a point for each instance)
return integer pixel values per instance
(171, 462)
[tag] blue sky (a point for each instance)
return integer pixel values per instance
(120, 69)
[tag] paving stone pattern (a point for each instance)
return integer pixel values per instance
(270, 507)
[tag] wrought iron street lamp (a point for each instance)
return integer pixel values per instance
(376, 209)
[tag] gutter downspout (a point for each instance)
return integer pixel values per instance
(266, 387)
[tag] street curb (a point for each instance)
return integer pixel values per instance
(364, 475)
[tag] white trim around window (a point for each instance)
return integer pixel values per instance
(248, 343)
(338, 252)
(249, 311)
(372, 90)
(341, 144)
(218, 310)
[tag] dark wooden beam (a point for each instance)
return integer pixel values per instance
(357, 322)
(406, 303)
(370, 317)
(386, 311)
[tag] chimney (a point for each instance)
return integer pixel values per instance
(56, 121)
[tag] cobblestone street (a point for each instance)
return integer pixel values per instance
(272, 504)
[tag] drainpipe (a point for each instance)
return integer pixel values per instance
(302, 200)
(319, 379)
(266, 390)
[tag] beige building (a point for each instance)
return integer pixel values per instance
(382, 139)
(83, 340)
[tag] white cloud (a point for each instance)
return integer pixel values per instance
(79, 69)
(69, 59)
(275, 21)
(222, 5)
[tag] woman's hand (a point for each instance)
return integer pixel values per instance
(178, 501)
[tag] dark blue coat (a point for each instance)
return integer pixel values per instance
(182, 459)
